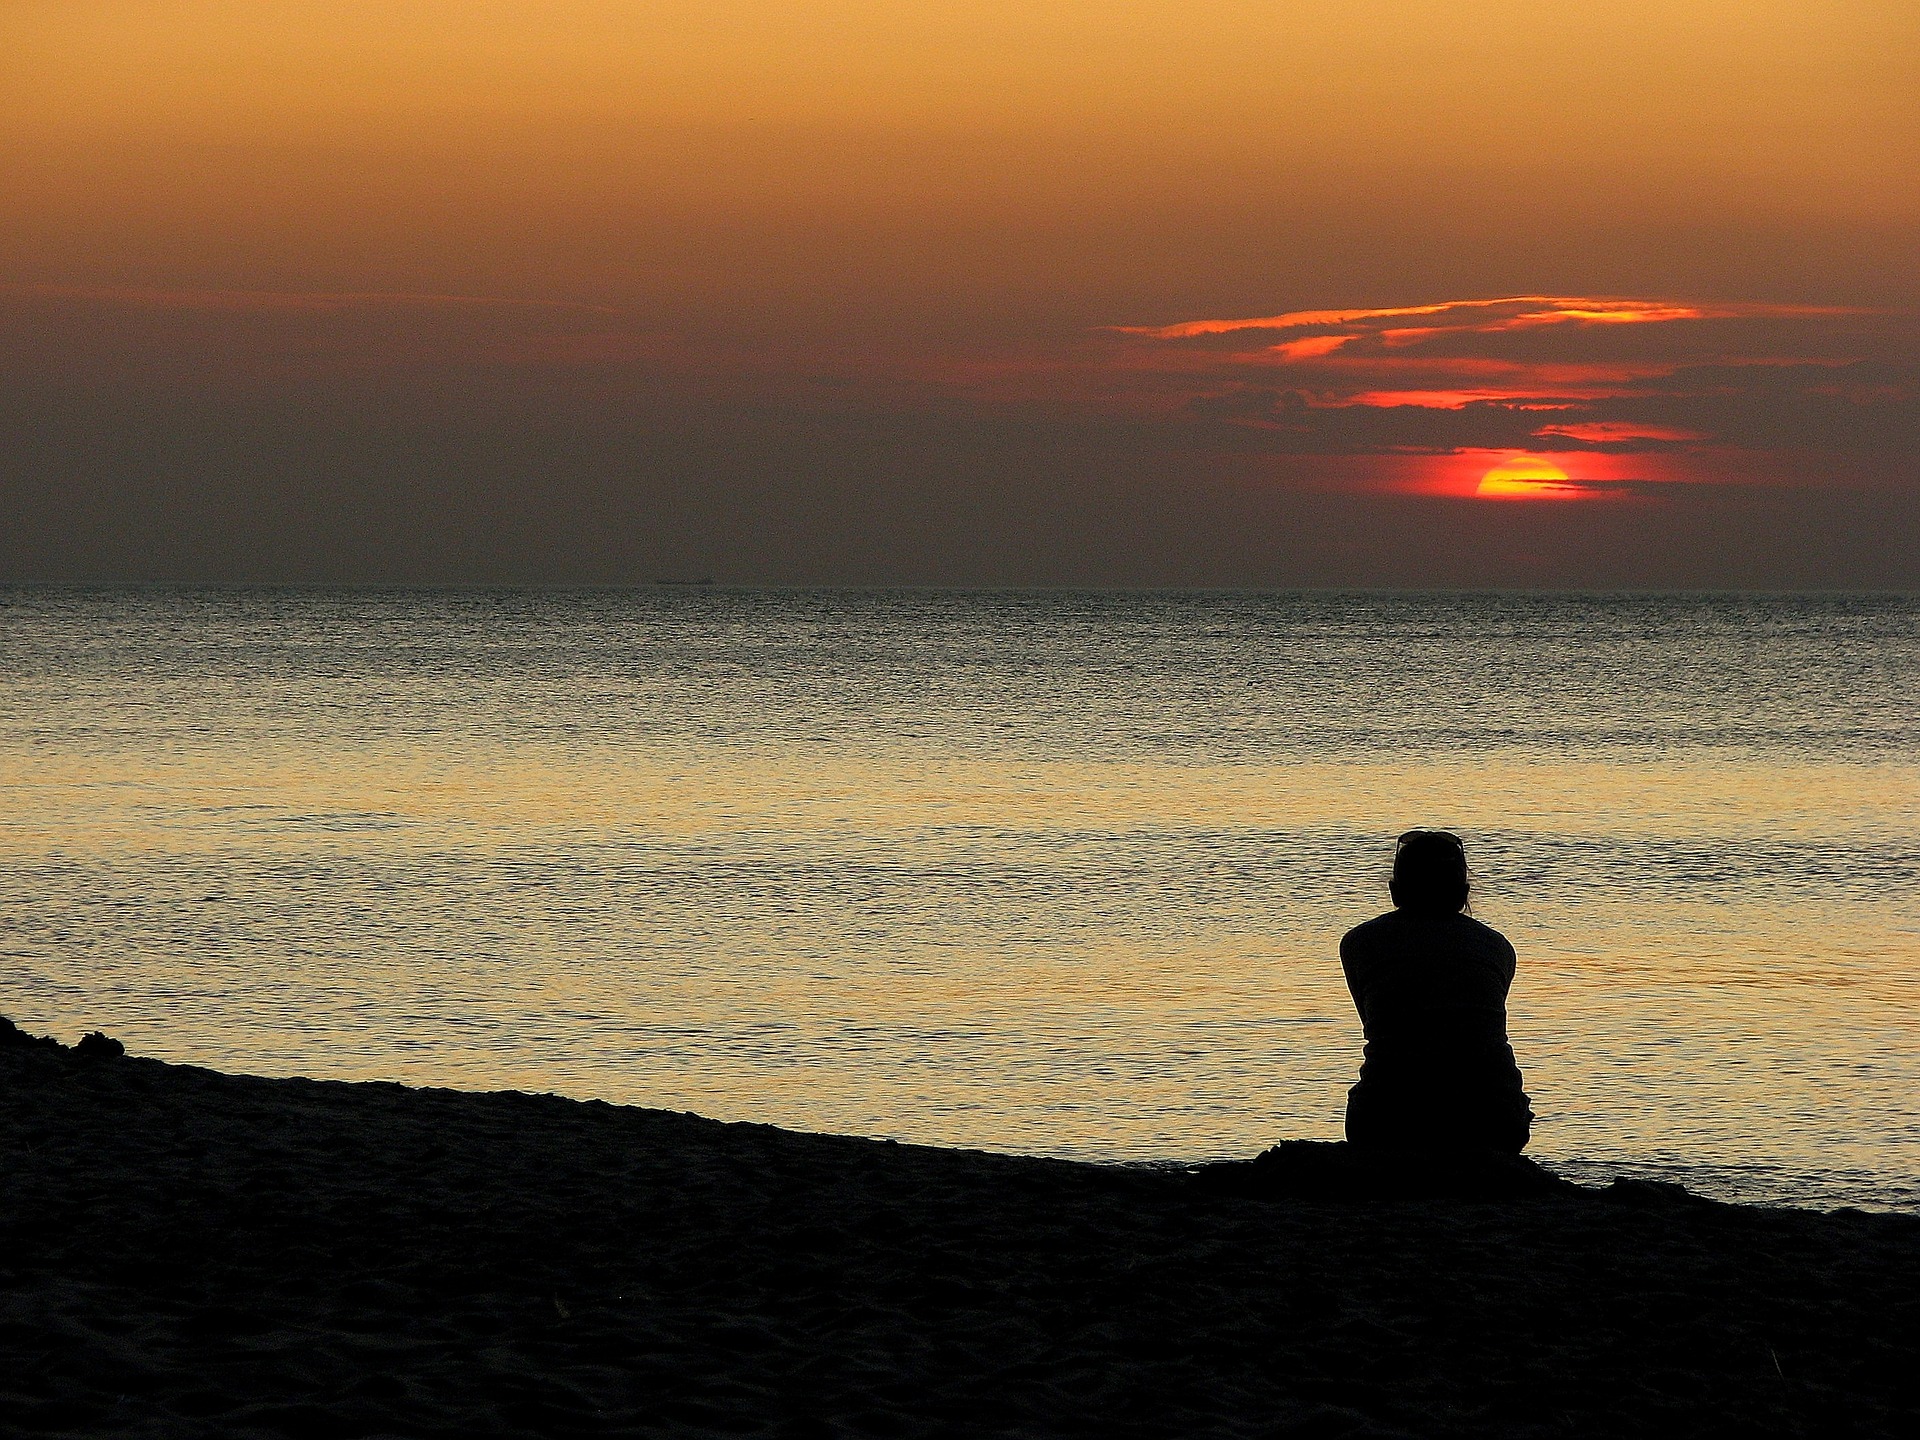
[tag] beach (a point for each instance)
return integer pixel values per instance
(195, 1253)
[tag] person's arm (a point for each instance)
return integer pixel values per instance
(1354, 966)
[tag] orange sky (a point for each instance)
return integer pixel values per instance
(943, 238)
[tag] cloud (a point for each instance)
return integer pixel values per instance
(1580, 374)
(1293, 320)
(1508, 312)
(1619, 432)
(1580, 487)
(188, 338)
(278, 302)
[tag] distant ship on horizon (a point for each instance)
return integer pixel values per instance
(667, 580)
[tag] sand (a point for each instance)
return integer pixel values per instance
(192, 1253)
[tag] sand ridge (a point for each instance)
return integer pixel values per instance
(190, 1253)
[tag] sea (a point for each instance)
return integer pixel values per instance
(1042, 871)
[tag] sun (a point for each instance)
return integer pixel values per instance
(1525, 477)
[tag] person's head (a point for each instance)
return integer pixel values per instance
(1429, 872)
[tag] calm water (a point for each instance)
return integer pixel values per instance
(1060, 873)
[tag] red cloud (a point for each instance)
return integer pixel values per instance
(1586, 376)
(1509, 312)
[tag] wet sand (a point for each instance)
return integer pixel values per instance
(191, 1253)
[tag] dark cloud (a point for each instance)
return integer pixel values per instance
(1662, 489)
(1866, 407)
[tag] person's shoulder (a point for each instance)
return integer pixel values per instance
(1370, 934)
(1486, 937)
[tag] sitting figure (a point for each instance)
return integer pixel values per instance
(1430, 983)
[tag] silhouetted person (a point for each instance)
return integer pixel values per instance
(1430, 984)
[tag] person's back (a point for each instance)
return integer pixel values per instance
(1430, 985)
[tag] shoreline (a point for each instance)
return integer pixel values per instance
(191, 1252)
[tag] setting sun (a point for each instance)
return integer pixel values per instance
(1526, 477)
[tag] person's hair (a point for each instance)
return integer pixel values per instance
(1429, 872)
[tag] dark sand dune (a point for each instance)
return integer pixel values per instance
(189, 1253)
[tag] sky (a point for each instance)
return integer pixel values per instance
(1135, 292)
